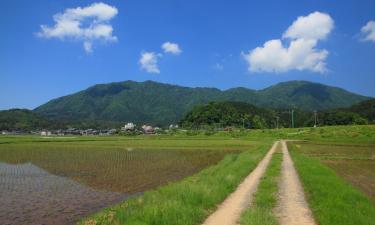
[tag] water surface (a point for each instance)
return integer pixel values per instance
(61, 183)
(31, 195)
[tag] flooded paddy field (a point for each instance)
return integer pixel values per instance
(60, 182)
(354, 162)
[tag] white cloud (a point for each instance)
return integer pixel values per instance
(87, 46)
(368, 31)
(170, 47)
(86, 24)
(301, 54)
(149, 62)
(315, 26)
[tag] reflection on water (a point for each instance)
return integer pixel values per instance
(52, 183)
(31, 195)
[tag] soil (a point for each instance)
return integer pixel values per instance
(292, 208)
(229, 212)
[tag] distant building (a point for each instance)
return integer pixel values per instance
(173, 126)
(148, 129)
(45, 133)
(59, 133)
(128, 127)
(73, 131)
(90, 132)
(112, 131)
(108, 132)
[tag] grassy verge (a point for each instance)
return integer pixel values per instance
(332, 200)
(266, 196)
(189, 201)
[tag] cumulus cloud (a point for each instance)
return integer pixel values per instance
(172, 48)
(88, 24)
(315, 26)
(149, 62)
(368, 31)
(301, 53)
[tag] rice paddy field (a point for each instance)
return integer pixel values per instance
(354, 162)
(181, 179)
(60, 180)
(338, 178)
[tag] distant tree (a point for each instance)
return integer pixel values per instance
(337, 117)
(259, 122)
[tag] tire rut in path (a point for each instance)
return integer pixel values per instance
(230, 210)
(292, 208)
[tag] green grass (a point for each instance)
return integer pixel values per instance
(355, 162)
(332, 200)
(260, 213)
(186, 202)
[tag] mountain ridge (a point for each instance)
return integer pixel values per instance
(162, 103)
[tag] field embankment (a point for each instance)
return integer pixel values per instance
(230, 210)
(264, 201)
(292, 208)
(354, 162)
(332, 199)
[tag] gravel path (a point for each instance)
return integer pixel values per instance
(230, 210)
(292, 208)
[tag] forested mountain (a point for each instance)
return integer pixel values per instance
(227, 114)
(162, 104)
(366, 109)
(23, 120)
(244, 115)
(214, 114)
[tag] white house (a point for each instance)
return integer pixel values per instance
(129, 127)
(173, 126)
(45, 133)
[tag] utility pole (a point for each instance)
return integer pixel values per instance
(316, 118)
(277, 122)
(243, 123)
(292, 118)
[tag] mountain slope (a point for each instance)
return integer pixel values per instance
(307, 96)
(161, 104)
(365, 109)
(23, 119)
(224, 114)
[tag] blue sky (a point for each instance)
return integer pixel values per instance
(214, 39)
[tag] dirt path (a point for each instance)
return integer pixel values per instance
(230, 210)
(292, 208)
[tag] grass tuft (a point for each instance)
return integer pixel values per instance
(260, 213)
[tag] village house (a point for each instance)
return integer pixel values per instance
(173, 126)
(128, 127)
(45, 133)
(148, 129)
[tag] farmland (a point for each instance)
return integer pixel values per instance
(354, 162)
(82, 175)
(182, 178)
(338, 178)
